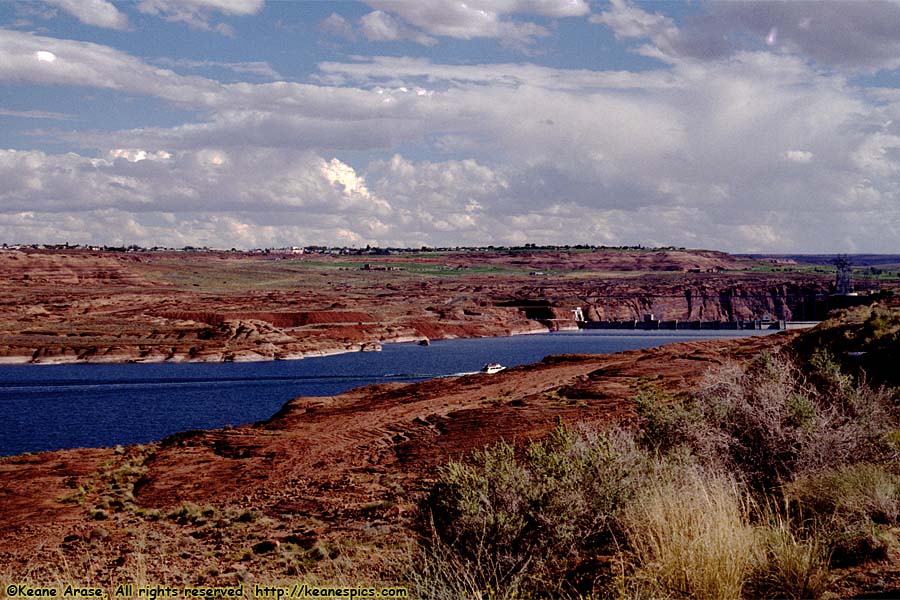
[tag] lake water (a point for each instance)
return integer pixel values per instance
(50, 407)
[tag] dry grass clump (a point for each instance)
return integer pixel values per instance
(853, 491)
(690, 537)
(792, 558)
(51, 568)
(440, 572)
(111, 490)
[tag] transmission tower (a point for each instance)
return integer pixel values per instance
(842, 282)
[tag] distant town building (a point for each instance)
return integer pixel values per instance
(371, 267)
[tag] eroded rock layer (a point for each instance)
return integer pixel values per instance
(67, 306)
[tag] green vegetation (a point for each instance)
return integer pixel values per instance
(856, 491)
(225, 272)
(232, 276)
(770, 268)
(760, 484)
(513, 523)
(111, 489)
(291, 273)
(871, 335)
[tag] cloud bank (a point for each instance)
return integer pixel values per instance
(739, 138)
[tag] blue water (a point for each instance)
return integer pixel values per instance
(51, 407)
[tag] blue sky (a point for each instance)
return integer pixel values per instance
(744, 126)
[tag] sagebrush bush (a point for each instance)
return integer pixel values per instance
(769, 423)
(509, 518)
(668, 423)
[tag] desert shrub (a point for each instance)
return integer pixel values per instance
(756, 412)
(828, 371)
(690, 537)
(793, 557)
(854, 491)
(481, 508)
(582, 479)
(852, 541)
(872, 330)
(770, 423)
(440, 572)
(852, 500)
(191, 514)
(744, 418)
(800, 411)
(674, 510)
(667, 423)
(523, 522)
(855, 402)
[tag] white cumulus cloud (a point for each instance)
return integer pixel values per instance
(798, 156)
(99, 13)
(381, 27)
(756, 149)
(137, 155)
(199, 13)
(338, 26)
(481, 18)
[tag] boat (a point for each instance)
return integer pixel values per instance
(492, 368)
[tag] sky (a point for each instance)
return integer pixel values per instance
(744, 126)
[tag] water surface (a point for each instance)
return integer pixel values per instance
(50, 407)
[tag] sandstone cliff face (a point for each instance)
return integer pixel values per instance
(31, 268)
(152, 307)
(705, 303)
(693, 301)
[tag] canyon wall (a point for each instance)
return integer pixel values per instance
(691, 301)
